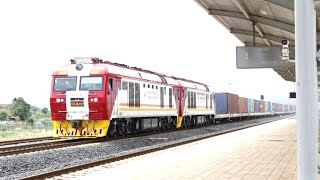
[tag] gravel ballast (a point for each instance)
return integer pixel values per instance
(23, 165)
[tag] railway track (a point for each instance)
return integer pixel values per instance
(13, 148)
(60, 143)
(20, 149)
(147, 150)
(11, 142)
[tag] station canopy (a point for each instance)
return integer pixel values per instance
(271, 20)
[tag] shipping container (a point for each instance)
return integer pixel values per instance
(233, 103)
(249, 105)
(252, 105)
(291, 108)
(256, 105)
(280, 108)
(257, 109)
(262, 106)
(243, 105)
(274, 107)
(266, 106)
(269, 107)
(221, 103)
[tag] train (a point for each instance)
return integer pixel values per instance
(92, 98)
(231, 106)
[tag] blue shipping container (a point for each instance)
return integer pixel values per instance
(221, 103)
(249, 105)
(269, 106)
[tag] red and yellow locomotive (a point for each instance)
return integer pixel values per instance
(95, 98)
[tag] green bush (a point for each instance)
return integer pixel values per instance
(44, 110)
(20, 108)
(30, 120)
(3, 115)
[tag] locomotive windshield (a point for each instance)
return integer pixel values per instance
(91, 83)
(65, 83)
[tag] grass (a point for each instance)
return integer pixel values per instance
(24, 134)
(20, 133)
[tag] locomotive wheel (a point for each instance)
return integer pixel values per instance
(121, 130)
(188, 122)
(113, 129)
(184, 122)
(160, 125)
(112, 132)
(164, 125)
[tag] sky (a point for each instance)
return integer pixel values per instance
(173, 37)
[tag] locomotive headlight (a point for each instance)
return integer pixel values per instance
(91, 99)
(95, 99)
(79, 67)
(58, 100)
(61, 100)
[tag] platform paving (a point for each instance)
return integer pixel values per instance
(263, 152)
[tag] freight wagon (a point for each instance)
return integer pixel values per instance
(230, 106)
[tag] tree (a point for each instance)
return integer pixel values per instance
(20, 108)
(44, 110)
(34, 109)
(30, 120)
(3, 115)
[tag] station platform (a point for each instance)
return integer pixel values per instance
(267, 151)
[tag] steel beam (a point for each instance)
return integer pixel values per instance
(251, 44)
(289, 4)
(258, 19)
(266, 36)
(239, 4)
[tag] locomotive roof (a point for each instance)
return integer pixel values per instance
(136, 73)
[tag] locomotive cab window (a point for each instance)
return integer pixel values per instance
(110, 84)
(91, 83)
(65, 83)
